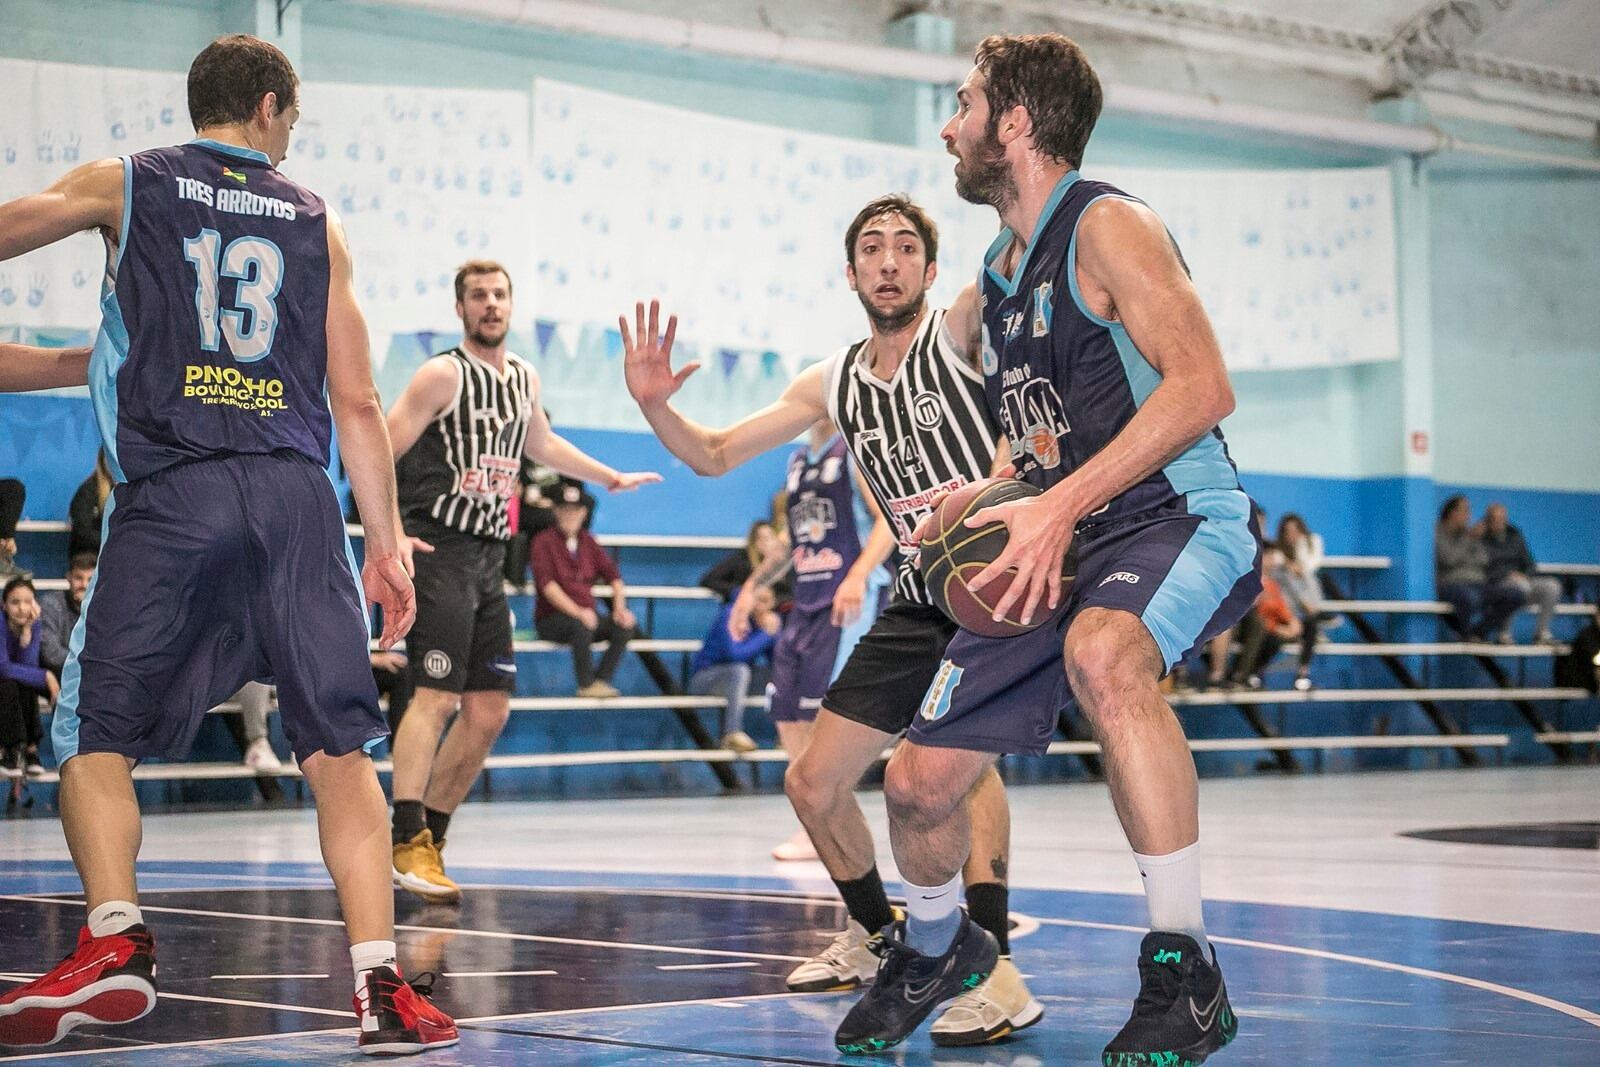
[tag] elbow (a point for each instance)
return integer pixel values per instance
(1217, 401)
(713, 464)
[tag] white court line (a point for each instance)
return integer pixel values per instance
(703, 966)
(720, 1001)
(162, 1047)
(247, 977)
(225, 1000)
(1581, 1014)
(500, 974)
(541, 938)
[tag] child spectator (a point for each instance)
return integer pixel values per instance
(722, 666)
(22, 682)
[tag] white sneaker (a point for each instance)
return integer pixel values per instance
(260, 758)
(797, 849)
(845, 964)
(1002, 1005)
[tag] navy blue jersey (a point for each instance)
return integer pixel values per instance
(1060, 380)
(822, 522)
(213, 338)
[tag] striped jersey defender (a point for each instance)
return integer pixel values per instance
(916, 436)
(462, 472)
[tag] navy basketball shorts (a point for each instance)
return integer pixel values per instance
(889, 669)
(1188, 572)
(462, 639)
(212, 574)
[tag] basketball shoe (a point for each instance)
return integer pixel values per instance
(998, 1008)
(419, 868)
(398, 1017)
(1182, 1014)
(103, 982)
(844, 964)
(910, 985)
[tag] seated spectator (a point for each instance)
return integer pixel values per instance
(722, 666)
(22, 682)
(12, 497)
(1266, 628)
(59, 613)
(1461, 573)
(728, 575)
(1511, 566)
(254, 701)
(567, 562)
(1300, 551)
(88, 507)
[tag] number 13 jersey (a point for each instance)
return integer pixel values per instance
(213, 334)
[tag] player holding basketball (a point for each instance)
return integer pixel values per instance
(1102, 368)
(909, 401)
(230, 329)
(461, 430)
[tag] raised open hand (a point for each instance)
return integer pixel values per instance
(647, 357)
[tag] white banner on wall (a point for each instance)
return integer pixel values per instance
(738, 227)
(423, 178)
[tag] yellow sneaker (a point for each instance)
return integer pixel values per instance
(1000, 1006)
(419, 868)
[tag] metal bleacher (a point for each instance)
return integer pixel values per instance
(1266, 739)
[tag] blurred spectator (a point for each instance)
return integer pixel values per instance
(1300, 551)
(12, 496)
(1268, 626)
(88, 507)
(729, 574)
(1461, 572)
(1511, 566)
(59, 613)
(254, 701)
(722, 666)
(22, 682)
(567, 562)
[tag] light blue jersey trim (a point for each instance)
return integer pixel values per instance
(349, 552)
(1221, 552)
(64, 726)
(1204, 464)
(232, 150)
(111, 343)
(1000, 243)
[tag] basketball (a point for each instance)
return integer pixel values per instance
(954, 553)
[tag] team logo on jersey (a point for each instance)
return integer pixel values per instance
(1031, 412)
(990, 360)
(1122, 576)
(1013, 324)
(936, 705)
(235, 175)
(1041, 309)
(928, 411)
(436, 664)
(812, 518)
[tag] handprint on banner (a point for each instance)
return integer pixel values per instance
(37, 284)
(72, 147)
(8, 295)
(45, 150)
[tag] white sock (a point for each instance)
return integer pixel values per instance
(1172, 892)
(933, 916)
(113, 917)
(367, 955)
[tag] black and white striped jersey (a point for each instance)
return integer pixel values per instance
(918, 435)
(462, 472)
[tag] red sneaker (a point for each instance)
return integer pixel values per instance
(398, 1017)
(105, 981)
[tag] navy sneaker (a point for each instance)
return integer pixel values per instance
(910, 985)
(1182, 1014)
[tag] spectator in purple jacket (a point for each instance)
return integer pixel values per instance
(22, 682)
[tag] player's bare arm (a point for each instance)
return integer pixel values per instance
(1128, 271)
(429, 393)
(964, 320)
(364, 444)
(24, 368)
(545, 446)
(88, 198)
(709, 452)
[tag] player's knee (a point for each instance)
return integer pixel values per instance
(916, 800)
(1100, 664)
(808, 786)
(488, 716)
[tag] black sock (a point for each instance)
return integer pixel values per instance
(438, 822)
(988, 905)
(866, 901)
(407, 820)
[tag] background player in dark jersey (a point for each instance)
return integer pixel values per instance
(915, 359)
(837, 564)
(1101, 365)
(230, 329)
(462, 428)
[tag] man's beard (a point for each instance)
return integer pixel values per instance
(478, 336)
(895, 319)
(986, 178)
